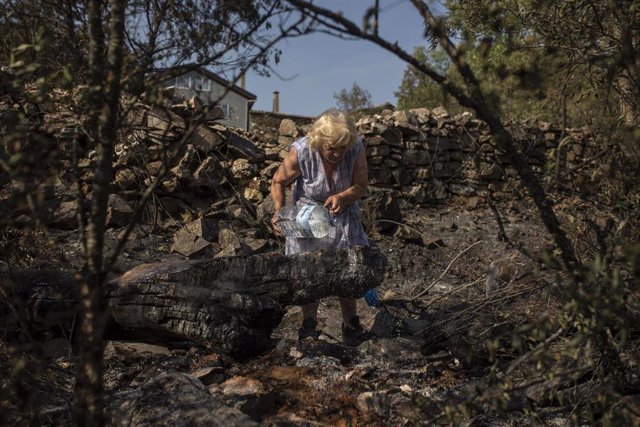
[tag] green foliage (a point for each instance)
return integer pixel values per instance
(520, 84)
(574, 61)
(221, 35)
(353, 99)
(561, 62)
(24, 23)
(418, 90)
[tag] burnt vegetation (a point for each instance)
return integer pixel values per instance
(140, 281)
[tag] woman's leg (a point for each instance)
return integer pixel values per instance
(309, 327)
(310, 311)
(352, 332)
(348, 308)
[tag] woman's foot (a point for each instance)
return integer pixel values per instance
(309, 329)
(352, 333)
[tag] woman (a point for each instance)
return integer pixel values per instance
(329, 167)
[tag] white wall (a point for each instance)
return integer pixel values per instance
(193, 83)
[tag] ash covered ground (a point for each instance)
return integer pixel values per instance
(442, 303)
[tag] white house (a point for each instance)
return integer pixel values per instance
(209, 88)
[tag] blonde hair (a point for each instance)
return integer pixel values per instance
(334, 128)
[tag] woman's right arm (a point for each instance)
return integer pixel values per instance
(288, 171)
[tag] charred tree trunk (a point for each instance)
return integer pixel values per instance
(233, 304)
(229, 304)
(36, 304)
(104, 100)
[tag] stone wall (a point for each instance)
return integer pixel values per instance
(265, 124)
(428, 156)
(215, 194)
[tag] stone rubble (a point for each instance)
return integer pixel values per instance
(222, 174)
(215, 201)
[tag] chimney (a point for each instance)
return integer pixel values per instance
(242, 82)
(276, 101)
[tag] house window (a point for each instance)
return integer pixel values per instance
(202, 84)
(183, 82)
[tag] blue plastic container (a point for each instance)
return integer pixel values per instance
(371, 297)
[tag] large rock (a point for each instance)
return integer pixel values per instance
(242, 170)
(284, 142)
(417, 157)
(190, 245)
(440, 113)
(246, 394)
(404, 117)
(122, 350)
(195, 238)
(209, 176)
(381, 212)
(118, 211)
(65, 216)
(288, 128)
(393, 136)
(231, 244)
(243, 147)
(204, 227)
(173, 399)
(421, 115)
(206, 139)
(163, 125)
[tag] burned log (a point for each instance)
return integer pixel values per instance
(232, 304)
(35, 303)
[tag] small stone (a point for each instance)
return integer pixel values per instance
(118, 211)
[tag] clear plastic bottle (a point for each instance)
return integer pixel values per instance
(310, 221)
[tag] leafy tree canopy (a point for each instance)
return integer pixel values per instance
(578, 58)
(158, 34)
(417, 90)
(572, 63)
(353, 99)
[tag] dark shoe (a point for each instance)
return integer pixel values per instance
(352, 334)
(309, 329)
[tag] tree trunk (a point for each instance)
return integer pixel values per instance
(104, 100)
(35, 304)
(232, 304)
(228, 304)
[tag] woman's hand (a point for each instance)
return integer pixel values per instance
(335, 204)
(274, 224)
(288, 171)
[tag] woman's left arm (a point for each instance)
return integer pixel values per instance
(358, 189)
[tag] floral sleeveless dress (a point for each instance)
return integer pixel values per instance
(312, 187)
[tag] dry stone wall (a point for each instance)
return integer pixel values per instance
(214, 197)
(428, 156)
(266, 125)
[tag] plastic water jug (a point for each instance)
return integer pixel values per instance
(310, 221)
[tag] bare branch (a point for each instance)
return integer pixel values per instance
(425, 290)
